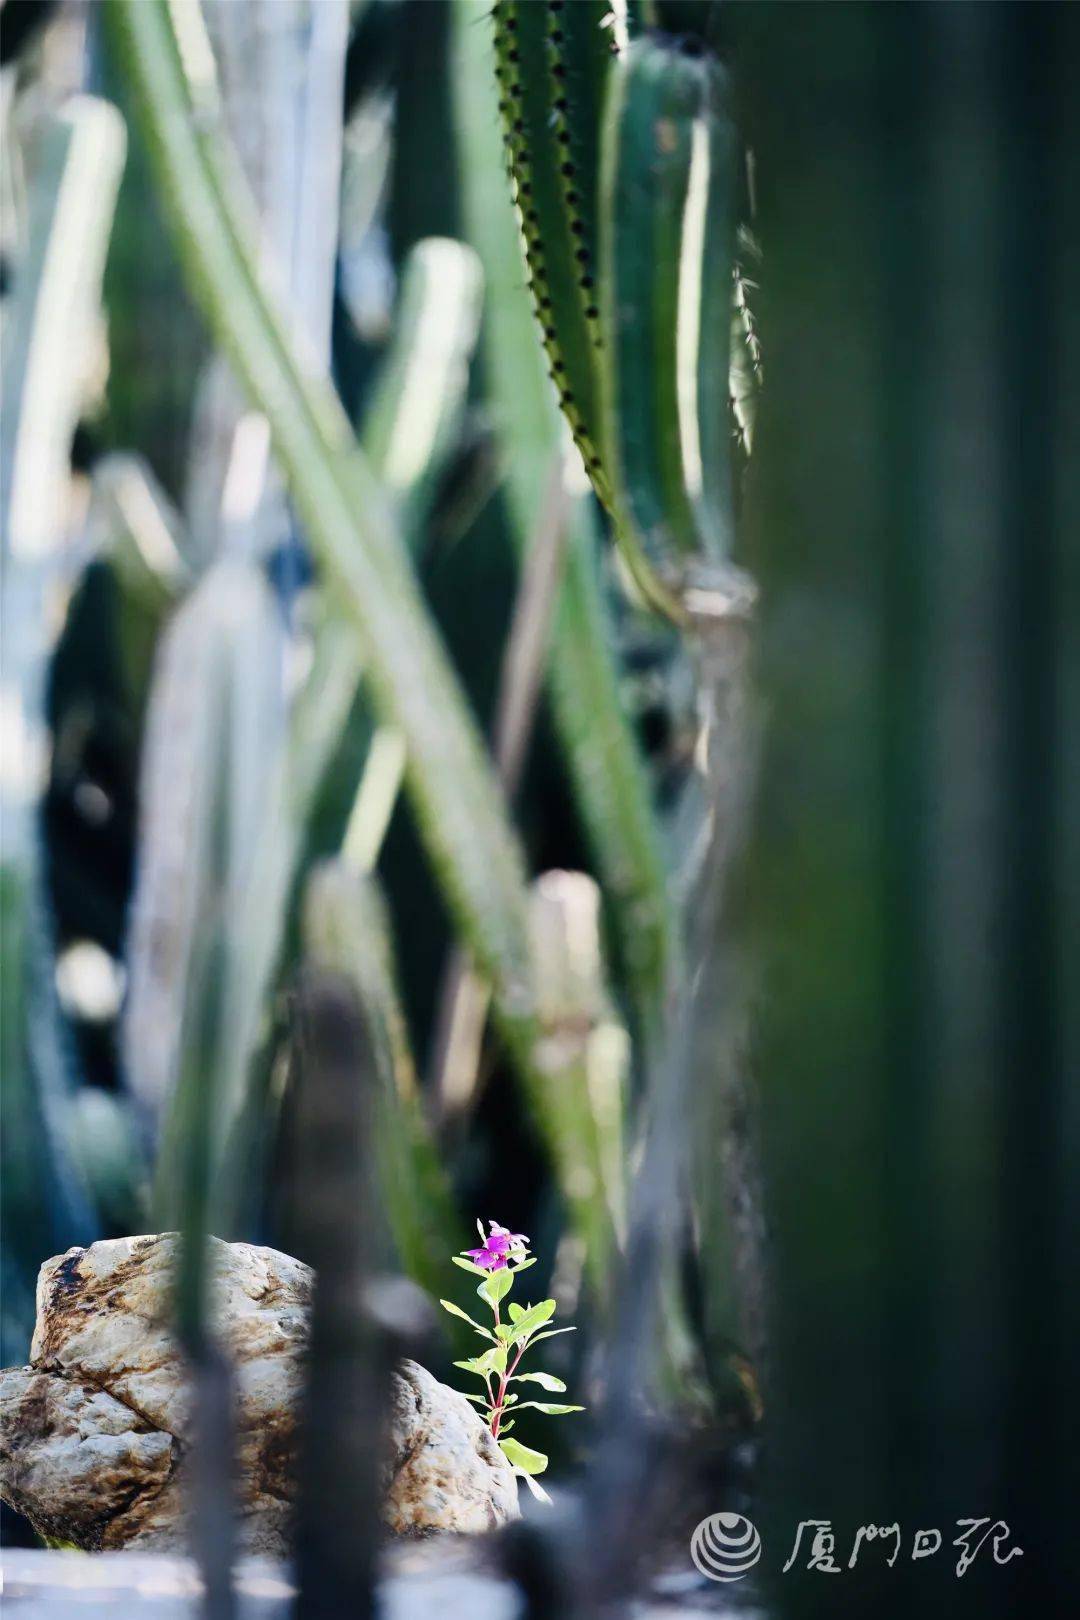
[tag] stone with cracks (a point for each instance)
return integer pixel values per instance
(93, 1434)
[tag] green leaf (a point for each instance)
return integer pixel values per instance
(523, 1457)
(547, 1406)
(524, 1265)
(467, 1265)
(506, 1331)
(545, 1380)
(551, 1334)
(493, 1360)
(495, 1286)
(516, 1311)
(506, 1427)
(478, 1400)
(472, 1365)
(534, 1318)
(456, 1310)
(537, 1490)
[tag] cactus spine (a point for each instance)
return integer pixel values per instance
(551, 67)
(580, 46)
(624, 161)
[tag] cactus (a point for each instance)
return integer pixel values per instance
(49, 331)
(580, 44)
(745, 342)
(624, 167)
(441, 295)
(915, 902)
(652, 225)
(550, 103)
(667, 229)
(415, 410)
(346, 930)
(403, 661)
(408, 431)
(347, 517)
(602, 756)
(714, 289)
(584, 1054)
(209, 850)
(649, 136)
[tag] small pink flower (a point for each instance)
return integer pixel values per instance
(499, 1246)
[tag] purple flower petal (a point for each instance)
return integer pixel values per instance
(502, 1239)
(482, 1257)
(500, 1246)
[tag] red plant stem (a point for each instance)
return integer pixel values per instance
(496, 1406)
(506, 1377)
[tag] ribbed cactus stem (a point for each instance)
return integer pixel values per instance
(667, 236)
(715, 176)
(580, 46)
(613, 796)
(549, 100)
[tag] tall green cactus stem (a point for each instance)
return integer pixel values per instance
(584, 1055)
(415, 410)
(550, 69)
(707, 280)
(50, 316)
(462, 819)
(654, 233)
(580, 45)
(346, 930)
(602, 757)
(212, 872)
(405, 436)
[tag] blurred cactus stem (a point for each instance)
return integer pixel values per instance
(141, 529)
(50, 324)
(347, 932)
(211, 860)
(345, 511)
(602, 756)
(584, 1057)
(441, 294)
(413, 416)
(408, 431)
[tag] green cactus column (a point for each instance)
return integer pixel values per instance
(914, 875)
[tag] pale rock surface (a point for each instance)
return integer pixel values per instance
(444, 1470)
(93, 1433)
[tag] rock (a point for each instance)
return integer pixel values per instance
(444, 1470)
(83, 1467)
(93, 1433)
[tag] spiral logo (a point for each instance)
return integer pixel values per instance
(725, 1547)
